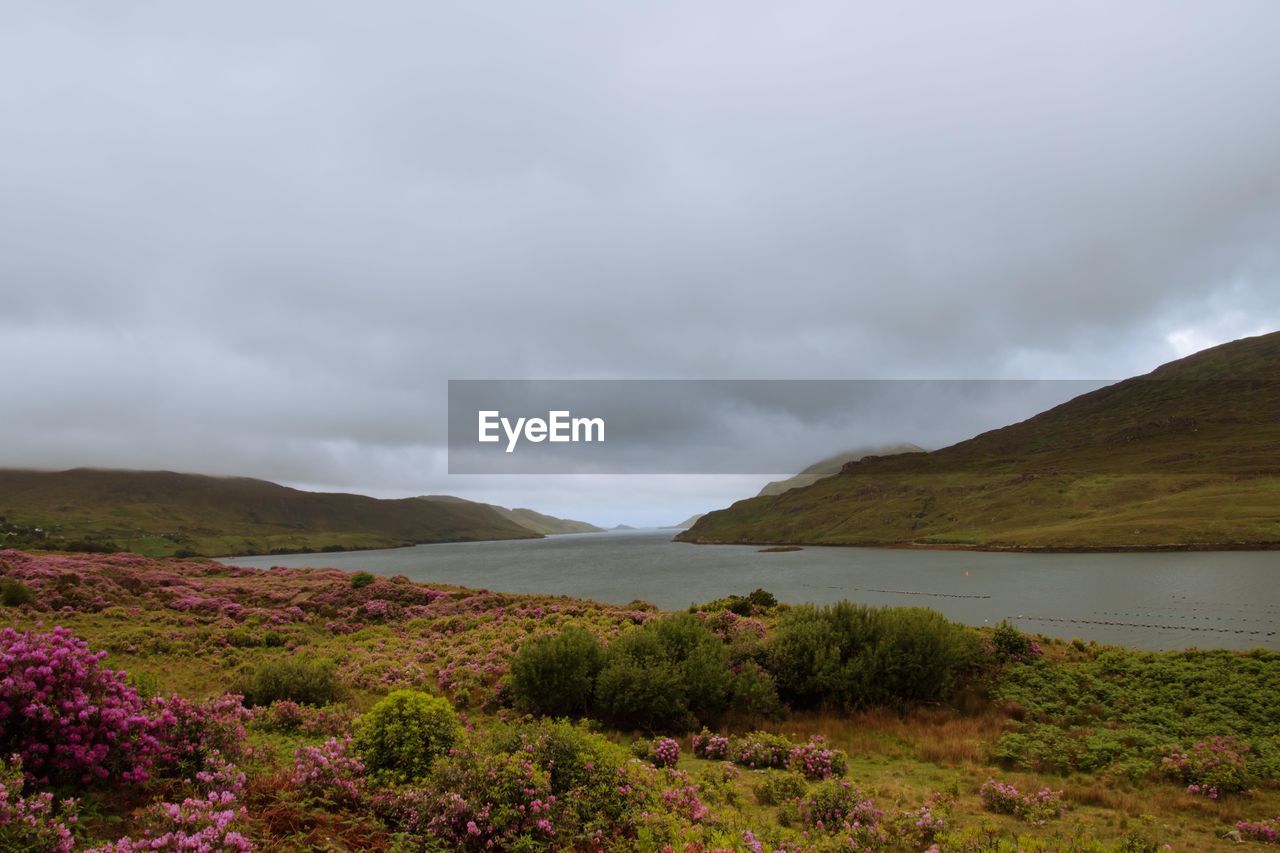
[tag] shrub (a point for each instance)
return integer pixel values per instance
(761, 749)
(838, 807)
(853, 656)
(329, 773)
(778, 788)
(309, 682)
(1262, 831)
(666, 676)
(361, 579)
(753, 692)
(817, 760)
(14, 593)
(710, 746)
(556, 675)
(1211, 767)
(194, 733)
(548, 784)
(666, 752)
(1037, 808)
(70, 719)
(1009, 645)
(30, 823)
(405, 732)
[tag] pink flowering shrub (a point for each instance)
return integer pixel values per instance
(331, 772)
(1211, 767)
(205, 821)
(837, 808)
(1037, 808)
(666, 752)
(191, 732)
(70, 719)
(1262, 831)
(817, 760)
(683, 801)
(32, 822)
(920, 827)
(710, 746)
(761, 749)
(285, 715)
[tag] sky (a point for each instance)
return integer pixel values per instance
(260, 238)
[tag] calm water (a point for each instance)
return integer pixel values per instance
(1227, 599)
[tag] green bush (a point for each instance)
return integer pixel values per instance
(308, 682)
(758, 601)
(556, 675)
(853, 656)
(403, 734)
(14, 593)
(778, 788)
(665, 676)
(361, 579)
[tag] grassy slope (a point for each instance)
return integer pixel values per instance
(159, 512)
(832, 465)
(538, 522)
(1188, 455)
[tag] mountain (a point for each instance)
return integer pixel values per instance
(162, 512)
(687, 523)
(1187, 456)
(831, 466)
(547, 525)
(540, 523)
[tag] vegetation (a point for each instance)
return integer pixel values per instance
(405, 733)
(162, 513)
(309, 682)
(1182, 457)
(425, 747)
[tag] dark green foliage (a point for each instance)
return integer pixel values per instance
(1119, 711)
(754, 693)
(308, 682)
(361, 579)
(1010, 644)
(852, 656)
(14, 593)
(405, 732)
(556, 675)
(778, 787)
(665, 676)
(756, 602)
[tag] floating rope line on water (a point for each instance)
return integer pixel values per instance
(912, 592)
(1148, 625)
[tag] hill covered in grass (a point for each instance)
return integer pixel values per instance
(1187, 456)
(538, 522)
(831, 466)
(164, 513)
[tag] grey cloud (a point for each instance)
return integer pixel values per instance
(259, 238)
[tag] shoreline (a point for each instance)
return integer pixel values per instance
(1171, 547)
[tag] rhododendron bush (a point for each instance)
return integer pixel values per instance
(68, 717)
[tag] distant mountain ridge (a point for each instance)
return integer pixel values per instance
(164, 512)
(1187, 456)
(831, 466)
(546, 525)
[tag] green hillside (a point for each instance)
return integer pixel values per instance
(538, 522)
(832, 465)
(161, 513)
(1186, 456)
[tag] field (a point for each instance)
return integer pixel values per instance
(378, 713)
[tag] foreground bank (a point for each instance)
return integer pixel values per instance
(378, 713)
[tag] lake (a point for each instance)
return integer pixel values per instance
(1221, 599)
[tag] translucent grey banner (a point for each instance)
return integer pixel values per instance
(719, 426)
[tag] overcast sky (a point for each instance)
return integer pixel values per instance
(258, 238)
